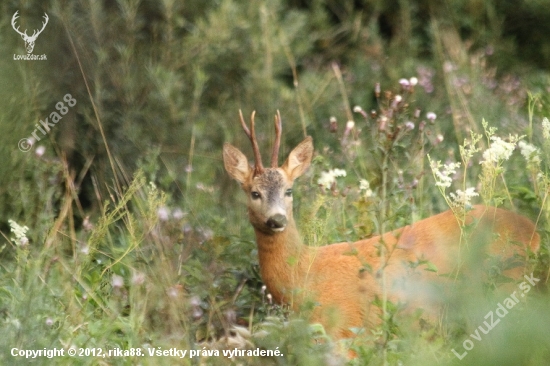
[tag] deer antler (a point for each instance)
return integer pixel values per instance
(258, 166)
(35, 34)
(278, 129)
(13, 19)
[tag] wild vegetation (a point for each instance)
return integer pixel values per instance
(121, 230)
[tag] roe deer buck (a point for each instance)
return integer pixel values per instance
(334, 276)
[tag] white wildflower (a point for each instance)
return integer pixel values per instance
(499, 150)
(365, 186)
(546, 128)
(444, 177)
(175, 291)
(20, 233)
(463, 199)
(163, 213)
(431, 116)
(117, 281)
(87, 225)
(40, 150)
(178, 214)
(396, 100)
(339, 172)
(530, 152)
(14, 322)
(327, 179)
(138, 278)
(413, 81)
(404, 82)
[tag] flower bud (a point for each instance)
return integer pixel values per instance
(333, 126)
(404, 83)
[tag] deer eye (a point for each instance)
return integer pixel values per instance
(255, 195)
(288, 193)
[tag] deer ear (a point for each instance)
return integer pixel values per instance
(299, 159)
(236, 163)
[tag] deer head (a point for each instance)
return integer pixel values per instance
(29, 40)
(269, 190)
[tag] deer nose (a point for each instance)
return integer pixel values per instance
(277, 221)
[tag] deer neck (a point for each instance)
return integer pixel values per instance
(281, 258)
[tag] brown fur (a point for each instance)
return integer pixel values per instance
(334, 276)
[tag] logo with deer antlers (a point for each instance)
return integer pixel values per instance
(29, 40)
